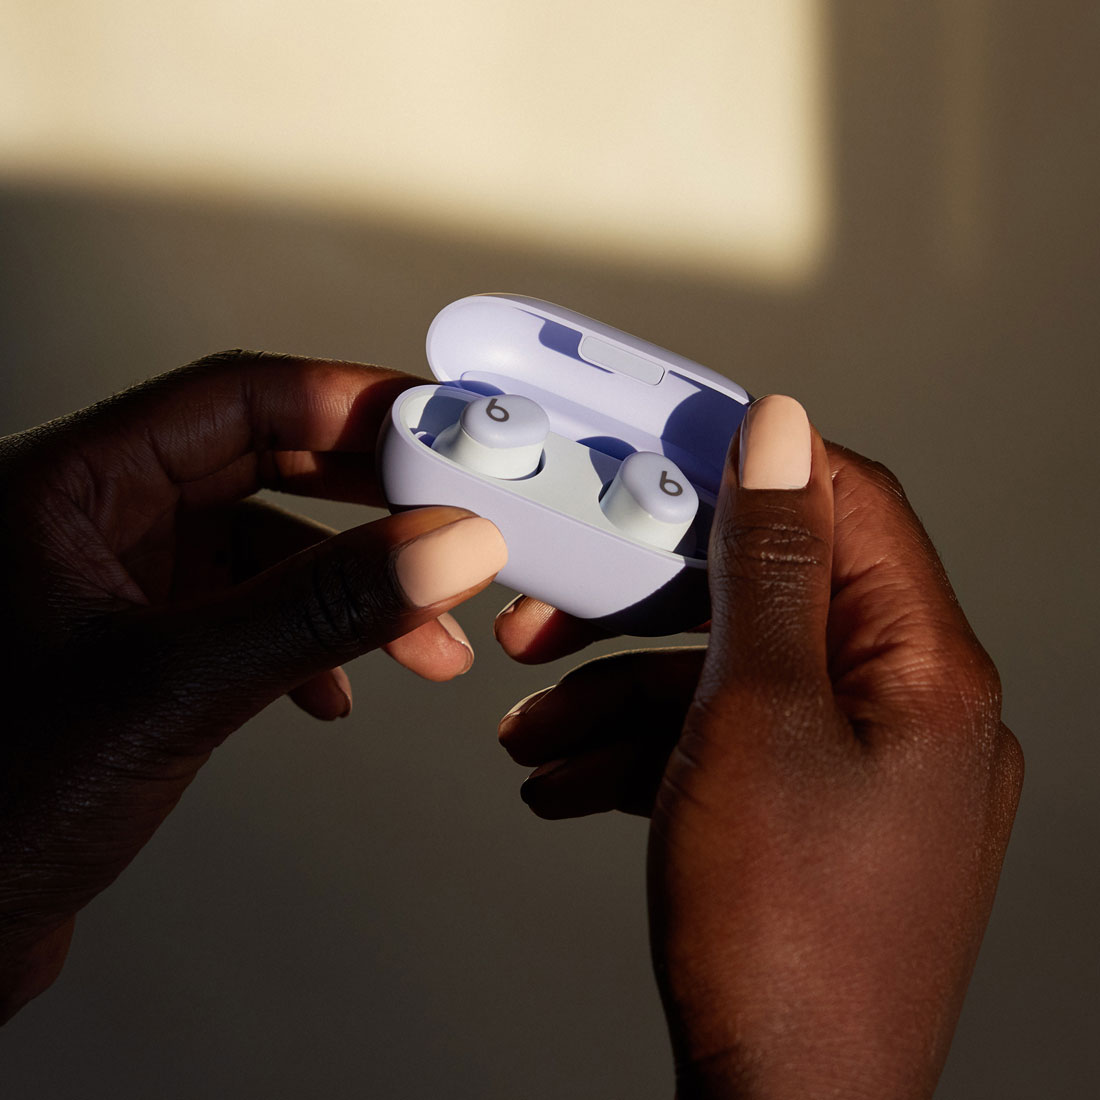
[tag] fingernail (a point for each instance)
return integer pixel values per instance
(451, 625)
(525, 704)
(508, 609)
(442, 563)
(775, 445)
(347, 704)
(342, 684)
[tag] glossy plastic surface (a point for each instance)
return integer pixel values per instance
(606, 394)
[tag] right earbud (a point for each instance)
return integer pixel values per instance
(501, 436)
(651, 500)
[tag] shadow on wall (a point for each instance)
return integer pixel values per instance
(955, 311)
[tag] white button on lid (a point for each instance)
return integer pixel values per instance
(620, 360)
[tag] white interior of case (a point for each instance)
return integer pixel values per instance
(570, 478)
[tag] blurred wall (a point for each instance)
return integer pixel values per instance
(368, 909)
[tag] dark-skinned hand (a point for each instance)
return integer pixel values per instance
(830, 785)
(151, 608)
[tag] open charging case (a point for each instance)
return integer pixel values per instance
(606, 394)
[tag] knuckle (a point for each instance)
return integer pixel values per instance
(230, 362)
(985, 679)
(865, 480)
(786, 542)
(883, 478)
(231, 358)
(783, 556)
(1010, 764)
(965, 673)
(870, 470)
(343, 607)
(218, 359)
(214, 364)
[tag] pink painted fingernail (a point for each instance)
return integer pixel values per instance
(775, 445)
(510, 607)
(443, 563)
(451, 625)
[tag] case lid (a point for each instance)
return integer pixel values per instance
(602, 387)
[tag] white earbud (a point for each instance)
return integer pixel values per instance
(651, 500)
(501, 436)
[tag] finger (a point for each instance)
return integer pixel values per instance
(331, 475)
(230, 656)
(769, 566)
(621, 776)
(264, 535)
(217, 547)
(437, 650)
(220, 546)
(899, 644)
(326, 696)
(641, 696)
(533, 632)
(218, 421)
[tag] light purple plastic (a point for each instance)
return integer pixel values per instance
(505, 343)
(602, 388)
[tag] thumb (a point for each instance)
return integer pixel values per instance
(769, 562)
(225, 659)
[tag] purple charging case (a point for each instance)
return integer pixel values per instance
(606, 394)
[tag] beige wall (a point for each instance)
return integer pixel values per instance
(368, 910)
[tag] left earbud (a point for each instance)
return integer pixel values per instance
(500, 436)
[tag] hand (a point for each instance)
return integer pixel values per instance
(830, 783)
(151, 609)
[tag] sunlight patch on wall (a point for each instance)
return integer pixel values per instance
(691, 135)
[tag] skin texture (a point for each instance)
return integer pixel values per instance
(157, 609)
(830, 786)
